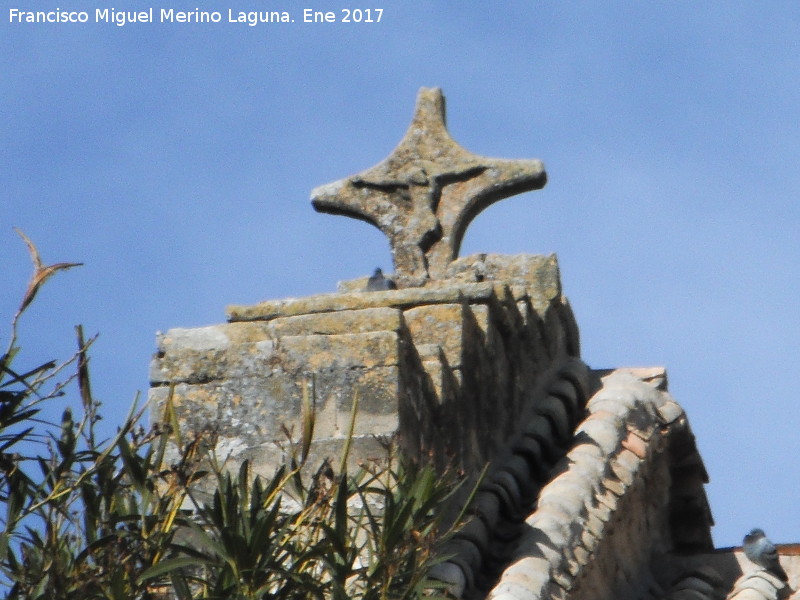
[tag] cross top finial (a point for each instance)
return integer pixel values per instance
(425, 194)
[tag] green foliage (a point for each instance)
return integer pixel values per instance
(148, 514)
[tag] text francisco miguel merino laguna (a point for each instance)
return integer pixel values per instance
(169, 15)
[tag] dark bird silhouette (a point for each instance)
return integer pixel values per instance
(763, 553)
(377, 282)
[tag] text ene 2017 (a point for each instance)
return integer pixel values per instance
(349, 15)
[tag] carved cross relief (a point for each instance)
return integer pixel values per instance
(426, 193)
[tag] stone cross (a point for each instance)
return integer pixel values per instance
(426, 193)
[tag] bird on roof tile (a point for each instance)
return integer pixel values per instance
(763, 553)
(377, 282)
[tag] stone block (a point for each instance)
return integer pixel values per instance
(258, 408)
(193, 409)
(481, 317)
(368, 450)
(444, 380)
(212, 337)
(377, 389)
(340, 322)
(211, 353)
(441, 324)
(536, 274)
(323, 303)
(306, 353)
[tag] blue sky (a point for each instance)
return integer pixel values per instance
(176, 162)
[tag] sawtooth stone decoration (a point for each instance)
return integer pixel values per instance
(427, 192)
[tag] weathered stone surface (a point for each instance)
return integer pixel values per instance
(256, 410)
(366, 449)
(474, 354)
(440, 324)
(532, 281)
(339, 322)
(344, 351)
(426, 193)
(533, 276)
(445, 380)
(210, 353)
(324, 303)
